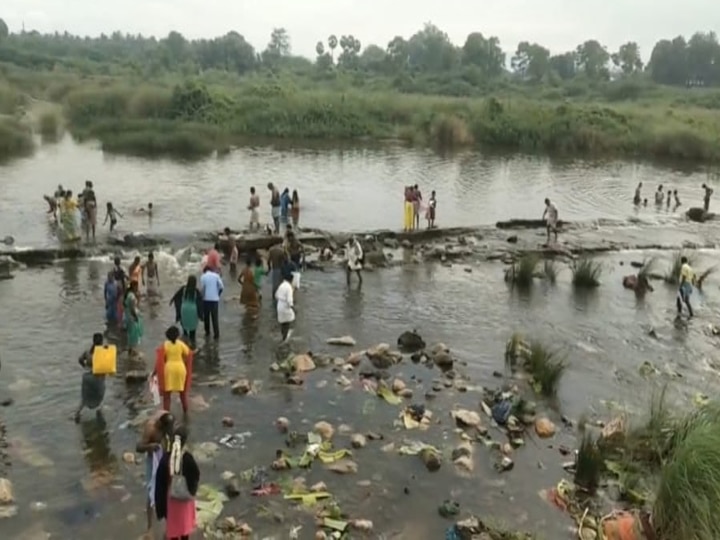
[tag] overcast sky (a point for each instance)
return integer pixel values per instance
(559, 25)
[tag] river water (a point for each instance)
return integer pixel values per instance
(52, 313)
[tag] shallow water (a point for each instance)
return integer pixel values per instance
(340, 189)
(603, 333)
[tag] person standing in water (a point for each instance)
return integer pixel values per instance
(112, 215)
(295, 209)
(188, 308)
(274, 207)
(276, 261)
(285, 306)
(258, 275)
(687, 280)
(151, 275)
(708, 191)
(432, 205)
(154, 441)
(550, 215)
(93, 386)
(135, 270)
(133, 322)
(90, 205)
(111, 293)
(677, 199)
(637, 199)
(284, 208)
(659, 196)
(417, 203)
(248, 292)
(174, 370)
(213, 258)
(354, 260)
(668, 199)
(408, 209)
(211, 288)
(254, 208)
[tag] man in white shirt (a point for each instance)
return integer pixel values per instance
(211, 287)
(550, 215)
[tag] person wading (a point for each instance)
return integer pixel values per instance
(151, 275)
(211, 287)
(90, 207)
(432, 205)
(708, 191)
(550, 215)
(173, 369)
(248, 292)
(687, 280)
(274, 207)
(637, 199)
(155, 439)
(276, 261)
(188, 308)
(417, 203)
(254, 208)
(354, 260)
(285, 306)
(295, 209)
(93, 386)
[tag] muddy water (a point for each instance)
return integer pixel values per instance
(604, 333)
(340, 189)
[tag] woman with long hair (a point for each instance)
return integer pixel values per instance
(295, 209)
(133, 322)
(176, 484)
(188, 308)
(173, 367)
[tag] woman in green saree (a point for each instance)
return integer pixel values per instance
(133, 322)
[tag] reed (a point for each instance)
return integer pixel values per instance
(586, 273)
(545, 366)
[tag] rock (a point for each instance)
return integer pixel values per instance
(382, 357)
(463, 449)
(440, 356)
(512, 239)
(241, 387)
(410, 342)
(505, 464)
(465, 418)
(346, 341)
(358, 441)
(506, 449)
(343, 466)
(391, 243)
(282, 424)
(129, 458)
(227, 421)
(431, 459)
(464, 463)
(344, 381)
(320, 535)
(324, 429)
(406, 393)
(698, 214)
(354, 359)
(544, 428)
(363, 525)
(588, 534)
(318, 487)
(227, 475)
(6, 491)
(232, 487)
(136, 376)
(302, 363)
(398, 386)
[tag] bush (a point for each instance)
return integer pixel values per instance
(15, 139)
(49, 124)
(450, 132)
(586, 273)
(589, 464)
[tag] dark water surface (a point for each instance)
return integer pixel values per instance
(340, 189)
(51, 314)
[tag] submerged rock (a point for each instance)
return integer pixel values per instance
(346, 341)
(410, 342)
(241, 387)
(382, 357)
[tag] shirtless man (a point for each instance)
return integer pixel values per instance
(550, 215)
(156, 438)
(151, 275)
(253, 207)
(706, 197)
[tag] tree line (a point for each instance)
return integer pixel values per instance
(679, 61)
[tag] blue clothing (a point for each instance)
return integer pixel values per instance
(111, 302)
(285, 203)
(212, 286)
(686, 289)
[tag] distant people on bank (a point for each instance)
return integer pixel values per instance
(92, 391)
(284, 297)
(687, 281)
(173, 367)
(295, 209)
(211, 288)
(112, 294)
(176, 484)
(637, 199)
(133, 321)
(408, 209)
(431, 209)
(249, 293)
(111, 215)
(254, 207)
(274, 207)
(151, 275)
(188, 309)
(659, 196)
(355, 260)
(708, 191)
(550, 215)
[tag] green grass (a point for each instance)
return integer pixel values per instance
(586, 273)
(545, 366)
(589, 464)
(522, 272)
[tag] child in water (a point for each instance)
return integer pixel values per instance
(112, 215)
(93, 386)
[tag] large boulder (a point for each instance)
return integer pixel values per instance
(410, 342)
(698, 214)
(382, 357)
(136, 240)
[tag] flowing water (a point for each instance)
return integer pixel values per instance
(58, 467)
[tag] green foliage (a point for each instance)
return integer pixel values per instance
(49, 124)
(522, 272)
(586, 273)
(545, 367)
(15, 139)
(589, 464)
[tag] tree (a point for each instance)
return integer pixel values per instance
(398, 53)
(350, 46)
(483, 53)
(669, 62)
(430, 50)
(531, 61)
(175, 47)
(320, 48)
(279, 43)
(332, 43)
(373, 58)
(592, 58)
(627, 58)
(564, 65)
(703, 58)
(4, 32)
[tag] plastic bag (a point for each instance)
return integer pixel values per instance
(155, 390)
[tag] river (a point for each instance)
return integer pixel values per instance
(51, 314)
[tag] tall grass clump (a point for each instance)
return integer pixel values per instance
(589, 464)
(15, 139)
(672, 275)
(545, 366)
(448, 132)
(522, 272)
(586, 273)
(688, 493)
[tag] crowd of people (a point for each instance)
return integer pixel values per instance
(670, 197)
(413, 206)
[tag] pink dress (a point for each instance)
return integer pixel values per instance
(181, 519)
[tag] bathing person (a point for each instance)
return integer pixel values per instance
(354, 260)
(277, 258)
(213, 258)
(668, 198)
(706, 196)
(285, 202)
(155, 439)
(188, 308)
(677, 199)
(122, 280)
(285, 306)
(295, 208)
(417, 202)
(173, 369)
(133, 322)
(52, 206)
(248, 292)
(430, 215)
(687, 280)
(135, 270)
(93, 386)
(112, 293)
(59, 192)
(259, 274)
(151, 275)
(112, 215)
(274, 207)
(638, 197)
(211, 288)
(177, 482)
(550, 215)
(148, 210)
(645, 201)
(659, 196)
(295, 252)
(254, 207)
(90, 210)
(69, 216)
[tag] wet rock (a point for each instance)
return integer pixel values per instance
(344, 381)
(506, 449)
(346, 341)
(320, 535)
(227, 421)
(358, 441)
(465, 418)
(505, 464)
(324, 429)
(232, 487)
(136, 376)
(430, 459)
(544, 428)
(295, 380)
(464, 463)
(410, 342)
(343, 466)
(302, 363)
(241, 387)
(698, 214)
(398, 386)
(6, 491)
(406, 393)
(382, 357)
(362, 525)
(372, 436)
(135, 240)
(129, 458)
(512, 239)
(354, 359)
(282, 424)
(462, 450)
(588, 534)
(440, 356)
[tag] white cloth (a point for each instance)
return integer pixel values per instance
(354, 254)
(296, 280)
(284, 297)
(152, 285)
(156, 457)
(551, 215)
(254, 217)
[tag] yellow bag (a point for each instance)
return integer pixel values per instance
(104, 360)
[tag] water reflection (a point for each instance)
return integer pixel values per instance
(96, 445)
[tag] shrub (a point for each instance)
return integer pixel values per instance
(15, 139)
(589, 464)
(450, 132)
(49, 124)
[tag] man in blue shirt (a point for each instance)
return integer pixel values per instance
(211, 287)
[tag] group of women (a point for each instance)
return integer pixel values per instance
(412, 207)
(122, 299)
(74, 215)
